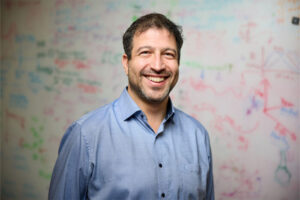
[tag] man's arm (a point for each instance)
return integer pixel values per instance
(210, 194)
(210, 184)
(71, 171)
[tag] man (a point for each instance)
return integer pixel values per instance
(139, 146)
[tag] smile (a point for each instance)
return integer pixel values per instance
(155, 79)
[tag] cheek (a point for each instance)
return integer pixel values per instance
(176, 78)
(133, 72)
(173, 64)
(176, 75)
(137, 67)
(175, 69)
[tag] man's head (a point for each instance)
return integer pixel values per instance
(151, 60)
(153, 20)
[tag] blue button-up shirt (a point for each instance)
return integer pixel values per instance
(113, 153)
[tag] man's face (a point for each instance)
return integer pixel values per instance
(153, 68)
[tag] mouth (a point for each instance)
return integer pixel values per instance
(156, 79)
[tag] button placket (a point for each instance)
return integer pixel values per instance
(161, 163)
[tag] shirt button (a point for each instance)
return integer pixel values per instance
(163, 195)
(160, 165)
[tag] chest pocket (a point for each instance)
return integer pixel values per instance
(192, 181)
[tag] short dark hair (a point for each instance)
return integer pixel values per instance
(151, 20)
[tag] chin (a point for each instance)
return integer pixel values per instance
(156, 99)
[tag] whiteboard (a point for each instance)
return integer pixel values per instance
(239, 76)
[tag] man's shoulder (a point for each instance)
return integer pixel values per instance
(95, 116)
(89, 126)
(188, 120)
(191, 126)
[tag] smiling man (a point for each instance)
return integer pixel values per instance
(139, 146)
(152, 72)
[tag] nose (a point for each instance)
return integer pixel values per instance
(158, 63)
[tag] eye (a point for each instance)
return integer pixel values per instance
(170, 54)
(145, 52)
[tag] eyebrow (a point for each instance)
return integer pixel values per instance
(149, 47)
(144, 47)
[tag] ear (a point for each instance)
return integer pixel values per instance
(125, 63)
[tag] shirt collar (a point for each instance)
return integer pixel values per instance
(128, 107)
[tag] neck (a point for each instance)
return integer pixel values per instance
(155, 112)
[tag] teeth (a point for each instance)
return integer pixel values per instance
(156, 79)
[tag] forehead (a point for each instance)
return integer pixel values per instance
(154, 37)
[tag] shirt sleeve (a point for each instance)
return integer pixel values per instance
(70, 175)
(210, 194)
